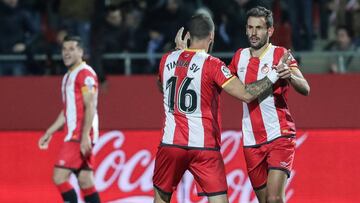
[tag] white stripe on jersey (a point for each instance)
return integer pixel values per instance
(267, 106)
(71, 104)
(196, 128)
(63, 85)
(169, 129)
(246, 122)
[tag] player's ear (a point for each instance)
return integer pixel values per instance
(212, 36)
(271, 31)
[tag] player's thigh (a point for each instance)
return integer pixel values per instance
(61, 175)
(256, 165)
(161, 197)
(276, 184)
(170, 165)
(280, 163)
(208, 169)
(281, 155)
(261, 195)
(86, 178)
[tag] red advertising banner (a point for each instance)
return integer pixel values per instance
(326, 168)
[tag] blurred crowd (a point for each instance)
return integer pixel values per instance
(30, 27)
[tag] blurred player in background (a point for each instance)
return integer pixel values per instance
(268, 128)
(79, 116)
(191, 81)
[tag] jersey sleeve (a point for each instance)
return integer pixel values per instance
(234, 62)
(220, 73)
(87, 81)
(293, 62)
(161, 67)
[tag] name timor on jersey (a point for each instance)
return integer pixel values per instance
(81, 78)
(191, 83)
(268, 118)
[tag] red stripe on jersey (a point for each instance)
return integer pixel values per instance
(209, 108)
(181, 127)
(161, 68)
(235, 61)
(287, 124)
(257, 122)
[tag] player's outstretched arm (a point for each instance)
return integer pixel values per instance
(296, 79)
(58, 123)
(293, 75)
(89, 99)
(252, 91)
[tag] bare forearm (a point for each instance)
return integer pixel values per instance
(247, 93)
(58, 123)
(300, 85)
(88, 120)
(257, 88)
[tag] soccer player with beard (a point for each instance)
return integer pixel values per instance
(79, 117)
(191, 81)
(268, 128)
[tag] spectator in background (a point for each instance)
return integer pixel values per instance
(353, 7)
(344, 42)
(75, 19)
(110, 38)
(137, 38)
(17, 32)
(163, 24)
(300, 15)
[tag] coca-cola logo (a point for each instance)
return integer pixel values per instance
(127, 177)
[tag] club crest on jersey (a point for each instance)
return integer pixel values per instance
(265, 69)
(225, 70)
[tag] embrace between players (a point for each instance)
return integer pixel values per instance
(260, 76)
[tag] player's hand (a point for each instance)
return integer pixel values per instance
(44, 141)
(282, 68)
(181, 43)
(85, 146)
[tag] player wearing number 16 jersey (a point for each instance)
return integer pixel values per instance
(191, 81)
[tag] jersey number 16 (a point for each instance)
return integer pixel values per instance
(186, 98)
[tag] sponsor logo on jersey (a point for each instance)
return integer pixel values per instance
(89, 82)
(225, 70)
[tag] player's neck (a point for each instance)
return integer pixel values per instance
(199, 45)
(75, 65)
(260, 52)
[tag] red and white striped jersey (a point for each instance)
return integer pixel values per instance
(191, 83)
(75, 81)
(264, 119)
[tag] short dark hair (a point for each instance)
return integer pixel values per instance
(200, 26)
(348, 30)
(260, 11)
(75, 38)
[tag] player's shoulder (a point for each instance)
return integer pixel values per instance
(213, 61)
(279, 48)
(174, 52)
(86, 69)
